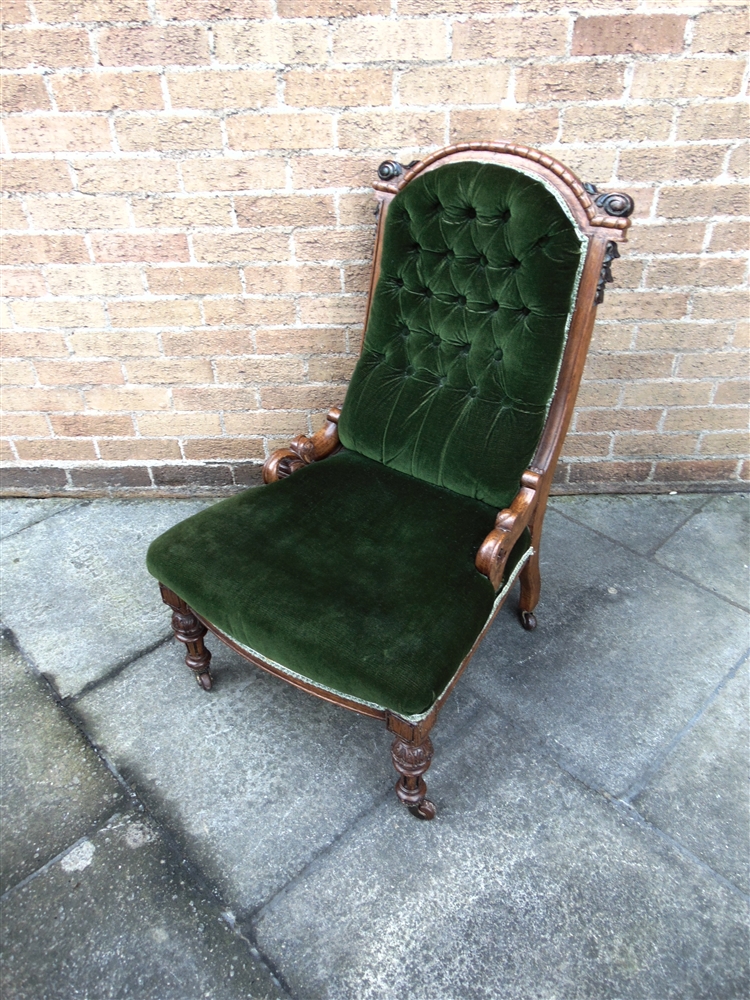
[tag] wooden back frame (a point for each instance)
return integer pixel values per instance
(603, 220)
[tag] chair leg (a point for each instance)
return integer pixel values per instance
(411, 758)
(531, 585)
(190, 631)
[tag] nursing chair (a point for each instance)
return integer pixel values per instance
(369, 567)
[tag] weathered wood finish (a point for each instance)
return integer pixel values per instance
(412, 749)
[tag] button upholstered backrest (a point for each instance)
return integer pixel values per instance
(467, 326)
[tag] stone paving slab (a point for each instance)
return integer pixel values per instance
(255, 777)
(527, 885)
(75, 590)
(53, 789)
(642, 522)
(624, 655)
(700, 794)
(114, 919)
(17, 514)
(712, 548)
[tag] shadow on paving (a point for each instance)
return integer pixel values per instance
(590, 780)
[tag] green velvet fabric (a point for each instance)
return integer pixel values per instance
(348, 573)
(466, 330)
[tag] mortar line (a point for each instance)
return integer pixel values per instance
(626, 809)
(114, 671)
(54, 513)
(661, 565)
(622, 806)
(654, 766)
(250, 915)
(698, 510)
(193, 873)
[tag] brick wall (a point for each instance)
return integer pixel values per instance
(189, 220)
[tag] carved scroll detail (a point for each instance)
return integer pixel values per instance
(304, 450)
(610, 254)
(389, 170)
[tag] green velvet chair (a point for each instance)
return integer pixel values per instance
(369, 578)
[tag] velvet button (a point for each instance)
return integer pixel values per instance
(427, 293)
(474, 391)
(450, 254)
(524, 311)
(471, 212)
(465, 350)
(399, 282)
(514, 264)
(498, 354)
(494, 306)
(408, 372)
(461, 299)
(404, 331)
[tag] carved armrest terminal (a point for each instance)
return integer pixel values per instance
(304, 450)
(509, 526)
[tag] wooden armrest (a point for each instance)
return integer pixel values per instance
(509, 526)
(304, 450)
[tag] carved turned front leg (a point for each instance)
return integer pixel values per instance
(190, 631)
(412, 755)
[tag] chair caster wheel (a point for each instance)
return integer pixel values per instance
(425, 810)
(205, 681)
(528, 620)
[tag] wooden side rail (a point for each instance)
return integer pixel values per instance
(304, 450)
(509, 526)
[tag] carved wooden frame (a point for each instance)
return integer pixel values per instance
(603, 219)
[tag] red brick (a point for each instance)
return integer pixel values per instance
(209, 10)
(15, 12)
(157, 248)
(61, 133)
(609, 472)
(722, 31)
(23, 283)
(53, 11)
(45, 249)
(35, 175)
(153, 46)
(107, 91)
(193, 280)
(696, 470)
(331, 8)
(628, 34)
(56, 449)
(46, 47)
(24, 93)
(510, 37)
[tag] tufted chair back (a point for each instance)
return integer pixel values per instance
(478, 274)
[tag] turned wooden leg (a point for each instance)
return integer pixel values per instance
(531, 585)
(190, 631)
(411, 759)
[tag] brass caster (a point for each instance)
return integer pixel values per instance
(425, 810)
(528, 620)
(205, 680)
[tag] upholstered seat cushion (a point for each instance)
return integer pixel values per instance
(350, 574)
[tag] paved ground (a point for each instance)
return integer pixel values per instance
(590, 777)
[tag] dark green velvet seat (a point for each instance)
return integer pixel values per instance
(352, 575)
